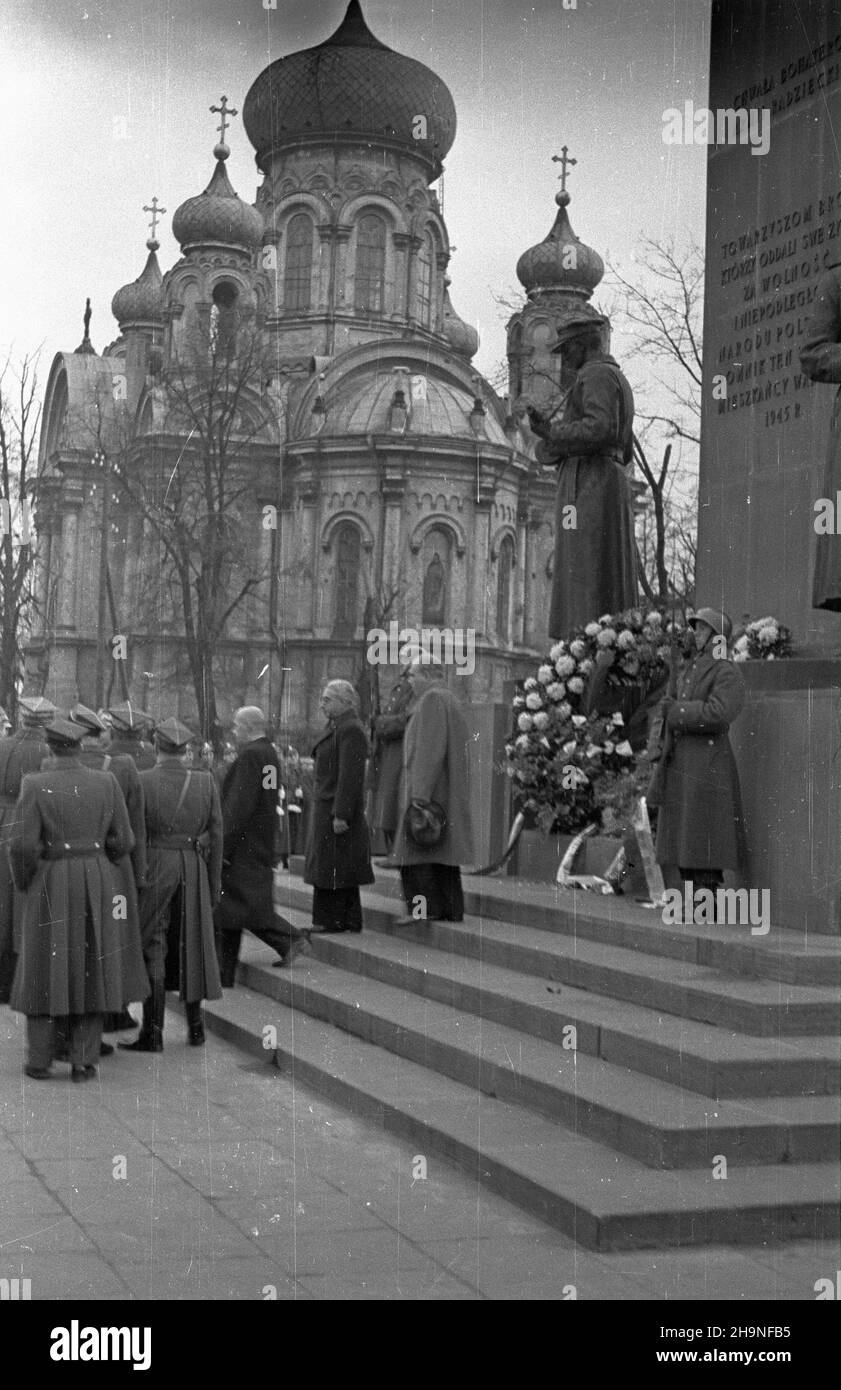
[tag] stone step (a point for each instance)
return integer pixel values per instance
(683, 989)
(653, 1121)
(602, 1199)
(781, 955)
(710, 1061)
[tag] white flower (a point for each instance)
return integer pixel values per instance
(522, 741)
(534, 701)
(605, 618)
(556, 651)
(530, 684)
(625, 641)
(524, 722)
(565, 709)
(624, 749)
(606, 637)
(592, 750)
(740, 656)
(609, 745)
(546, 743)
(545, 675)
(743, 643)
(556, 691)
(509, 749)
(653, 618)
(579, 720)
(617, 720)
(519, 701)
(565, 666)
(576, 685)
(541, 721)
(569, 748)
(592, 629)
(577, 649)
(585, 666)
(771, 657)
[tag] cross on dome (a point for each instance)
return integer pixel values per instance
(156, 212)
(565, 164)
(221, 151)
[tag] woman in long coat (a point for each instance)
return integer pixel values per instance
(436, 768)
(338, 856)
(76, 959)
(700, 827)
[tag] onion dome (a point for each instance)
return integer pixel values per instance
(142, 300)
(561, 261)
(461, 337)
(218, 216)
(350, 87)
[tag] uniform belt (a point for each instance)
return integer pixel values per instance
(174, 842)
(67, 850)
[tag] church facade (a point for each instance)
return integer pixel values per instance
(373, 476)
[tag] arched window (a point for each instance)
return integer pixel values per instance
(504, 571)
(436, 577)
(297, 279)
(224, 318)
(347, 581)
(426, 256)
(370, 264)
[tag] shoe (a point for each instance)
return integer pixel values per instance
(385, 863)
(300, 947)
(195, 1035)
(83, 1074)
(38, 1073)
(106, 1050)
(142, 1044)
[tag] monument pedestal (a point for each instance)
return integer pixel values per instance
(787, 742)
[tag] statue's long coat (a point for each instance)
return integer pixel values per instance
(21, 753)
(436, 753)
(820, 358)
(251, 839)
(595, 568)
(339, 861)
(76, 956)
(700, 823)
(183, 878)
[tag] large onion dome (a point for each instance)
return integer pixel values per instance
(461, 337)
(218, 216)
(350, 87)
(141, 302)
(561, 261)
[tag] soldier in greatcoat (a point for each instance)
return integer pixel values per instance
(184, 868)
(436, 769)
(19, 753)
(76, 962)
(338, 855)
(128, 725)
(700, 827)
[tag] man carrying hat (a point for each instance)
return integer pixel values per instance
(700, 827)
(128, 725)
(184, 833)
(75, 963)
(20, 753)
(595, 567)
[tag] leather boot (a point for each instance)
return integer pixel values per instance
(195, 1024)
(150, 1037)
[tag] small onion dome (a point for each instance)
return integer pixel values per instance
(461, 337)
(142, 300)
(561, 261)
(218, 215)
(351, 85)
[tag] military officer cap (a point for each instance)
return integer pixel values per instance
(172, 736)
(90, 722)
(719, 622)
(37, 710)
(129, 718)
(60, 733)
(571, 327)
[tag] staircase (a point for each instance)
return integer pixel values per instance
(632, 1084)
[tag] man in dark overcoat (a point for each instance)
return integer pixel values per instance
(700, 827)
(386, 766)
(595, 567)
(128, 726)
(436, 753)
(20, 753)
(130, 872)
(184, 834)
(76, 962)
(820, 358)
(251, 848)
(338, 855)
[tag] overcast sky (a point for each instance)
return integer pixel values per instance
(526, 79)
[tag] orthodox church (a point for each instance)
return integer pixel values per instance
(386, 481)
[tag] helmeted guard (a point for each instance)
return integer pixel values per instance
(20, 753)
(130, 872)
(76, 961)
(128, 725)
(184, 868)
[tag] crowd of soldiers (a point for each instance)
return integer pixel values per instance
(126, 871)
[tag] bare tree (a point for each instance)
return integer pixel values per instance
(20, 414)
